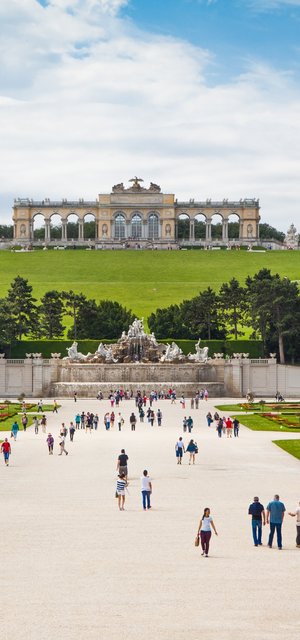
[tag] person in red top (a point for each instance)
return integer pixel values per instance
(6, 450)
(229, 425)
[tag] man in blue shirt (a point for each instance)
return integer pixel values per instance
(257, 511)
(275, 515)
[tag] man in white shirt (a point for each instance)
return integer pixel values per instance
(297, 514)
(146, 486)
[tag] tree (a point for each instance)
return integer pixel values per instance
(51, 315)
(258, 314)
(167, 322)
(21, 301)
(275, 305)
(267, 232)
(232, 299)
(201, 316)
(106, 320)
(8, 325)
(73, 304)
(6, 231)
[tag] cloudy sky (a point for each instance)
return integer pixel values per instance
(200, 96)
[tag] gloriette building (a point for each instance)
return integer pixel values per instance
(138, 216)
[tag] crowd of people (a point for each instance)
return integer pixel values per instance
(145, 411)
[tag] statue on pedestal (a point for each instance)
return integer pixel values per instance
(292, 238)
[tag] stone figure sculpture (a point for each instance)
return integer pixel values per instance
(73, 354)
(292, 237)
(201, 354)
(173, 352)
(106, 353)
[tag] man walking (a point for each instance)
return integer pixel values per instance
(132, 421)
(257, 511)
(122, 467)
(297, 514)
(6, 450)
(236, 427)
(62, 446)
(146, 485)
(180, 450)
(275, 515)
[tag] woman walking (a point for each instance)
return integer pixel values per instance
(192, 449)
(120, 492)
(50, 443)
(204, 531)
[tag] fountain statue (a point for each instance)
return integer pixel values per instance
(137, 346)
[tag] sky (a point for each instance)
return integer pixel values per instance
(199, 96)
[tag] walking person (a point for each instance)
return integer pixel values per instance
(296, 514)
(40, 406)
(75, 396)
(122, 466)
(132, 421)
(50, 443)
(15, 430)
(182, 402)
(43, 423)
(180, 450)
(229, 425)
(95, 421)
(6, 450)
(257, 511)
(192, 449)
(55, 407)
(36, 425)
(71, 431)
(204, 531)
(62, 446)
(184, 424)
(219, 427)
(120, 492)
(146, 487)
(24, 421)
(77, 420)
(236, 427)
(209, 419)
(190, 424)
(275, 516)
(205, 395)
(159, 417)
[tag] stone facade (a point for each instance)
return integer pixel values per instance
(136, 214)
(233, 378)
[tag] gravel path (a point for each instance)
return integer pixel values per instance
(74, 567)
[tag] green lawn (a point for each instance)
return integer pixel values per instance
(259, 423)
(5, 425)
(256, 406)
(290, 446)
(141, 280)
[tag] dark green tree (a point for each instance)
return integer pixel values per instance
(167, 323)
(22, 303)
(8, 325)
(73, 304)
(51, 315)
(232, 301)
(106, 320)
(6, 231)
(202, 316)
(276, 305)
(267, 232)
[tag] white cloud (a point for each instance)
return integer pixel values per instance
(88, 100)
(263, 5)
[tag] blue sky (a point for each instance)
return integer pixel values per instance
(200, 97)
(234, 31)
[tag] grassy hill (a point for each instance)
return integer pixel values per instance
(141, 280)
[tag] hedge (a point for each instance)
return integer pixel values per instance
(46, 347)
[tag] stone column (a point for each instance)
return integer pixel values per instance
(127, 229)
(225, 230)
(47, 231)
(208, 230)
(31, 230)
(3, 375)
(241, 230)
(64, 235)
(80, 229)
(192, 230)
(144, 229)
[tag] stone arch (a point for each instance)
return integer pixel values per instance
(136, 226)
(89, 226)
(216, 221)
(234, 224)
(200, 220)
(119, 225)
(183, 226)
(55, 226)
(38, 223)
(73, 226)
(153, 225)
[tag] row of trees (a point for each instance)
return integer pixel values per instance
(269, 304)
(20, 315)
